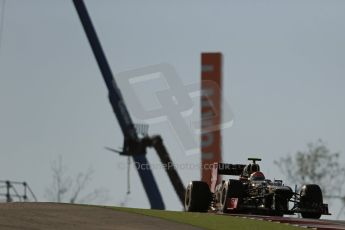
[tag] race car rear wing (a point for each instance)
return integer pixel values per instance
(229, 169)
(224, 169)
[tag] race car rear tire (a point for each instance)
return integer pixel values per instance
(198, 197)
(231, 189)
(310, 198)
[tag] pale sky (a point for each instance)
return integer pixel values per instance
(284, 68)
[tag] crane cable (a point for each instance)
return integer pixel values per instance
(124, 203)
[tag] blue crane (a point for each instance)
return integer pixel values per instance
(134, 145)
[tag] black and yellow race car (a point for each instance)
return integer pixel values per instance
(252, 193)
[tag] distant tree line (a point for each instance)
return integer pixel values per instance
(67, 189)
(316, 165)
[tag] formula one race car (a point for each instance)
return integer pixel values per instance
(252, 193)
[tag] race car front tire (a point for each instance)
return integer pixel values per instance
(198, 197)
(311, 198)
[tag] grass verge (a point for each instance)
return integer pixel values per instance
(210, 221)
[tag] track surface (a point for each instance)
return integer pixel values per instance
(51, 216)
(307, 223)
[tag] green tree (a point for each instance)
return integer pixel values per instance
(316, 165)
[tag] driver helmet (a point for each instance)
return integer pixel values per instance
(257, 176)
(254, 168)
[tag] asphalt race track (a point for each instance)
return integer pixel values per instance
(52, 216)
(306, 223)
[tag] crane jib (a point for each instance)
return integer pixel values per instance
(122, 115)
(115, 96)
(148, 181)
(120, 108)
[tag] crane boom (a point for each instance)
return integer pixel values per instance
(115, 96)
(158, 145)
(133, 145)
(116, 100)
